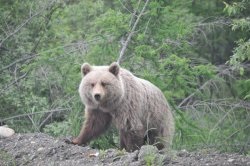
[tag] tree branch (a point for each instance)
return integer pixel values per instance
(17, 61)
(13, 82)
(19, 27)
(125, 45)
(192, 94)
(23, 24)
(223, 70)
(33, 113)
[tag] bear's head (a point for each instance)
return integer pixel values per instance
(101, 86)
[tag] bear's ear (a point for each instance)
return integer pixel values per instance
(85, 69)
(114, 68)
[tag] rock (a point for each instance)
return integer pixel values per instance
(6, 132)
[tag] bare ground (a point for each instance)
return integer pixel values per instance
(41, 150)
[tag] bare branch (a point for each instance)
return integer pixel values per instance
(14, 82)
(17, 61)
(218, 104)
(33, 122)
(125, 45)
(134, 14)
(192, 94)
(223, 70)
(45, 120)
(125, 7)
(33, 113)
(219, 22)
(18, 28)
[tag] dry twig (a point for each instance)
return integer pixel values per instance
(125, 45)
(33, 113)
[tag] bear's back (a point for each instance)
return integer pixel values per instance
(144, 97)
(141, 86)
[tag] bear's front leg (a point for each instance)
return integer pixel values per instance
(96, 123)
(131, 140)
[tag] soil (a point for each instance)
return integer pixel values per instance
(41, 150)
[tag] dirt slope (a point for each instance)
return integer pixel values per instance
(40, 149)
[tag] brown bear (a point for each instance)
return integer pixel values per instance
(136, 107)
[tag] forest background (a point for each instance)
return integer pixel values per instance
(196, 51)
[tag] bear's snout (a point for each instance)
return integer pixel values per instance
(97, 97)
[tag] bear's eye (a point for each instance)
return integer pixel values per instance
(103, 83)
(92, 84)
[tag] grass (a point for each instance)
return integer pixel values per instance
(6, 159)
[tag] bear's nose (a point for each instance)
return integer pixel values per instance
(97, 97)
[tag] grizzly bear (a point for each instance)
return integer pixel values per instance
(136, 107)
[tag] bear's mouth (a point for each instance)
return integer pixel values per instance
(98, 104)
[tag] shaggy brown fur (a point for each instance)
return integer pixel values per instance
(136, 107)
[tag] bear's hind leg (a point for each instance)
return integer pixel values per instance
(151, 138)
(131, 140)
(122, 140)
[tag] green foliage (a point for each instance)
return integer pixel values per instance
(241, 53)
(234, 8)
(240, 21)
(107, 140)
(243, 89)
(241, 24)
(110, 22)
(149, 159)
(57, 128)
(150, 156)
(182, 78)
(188, 133)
